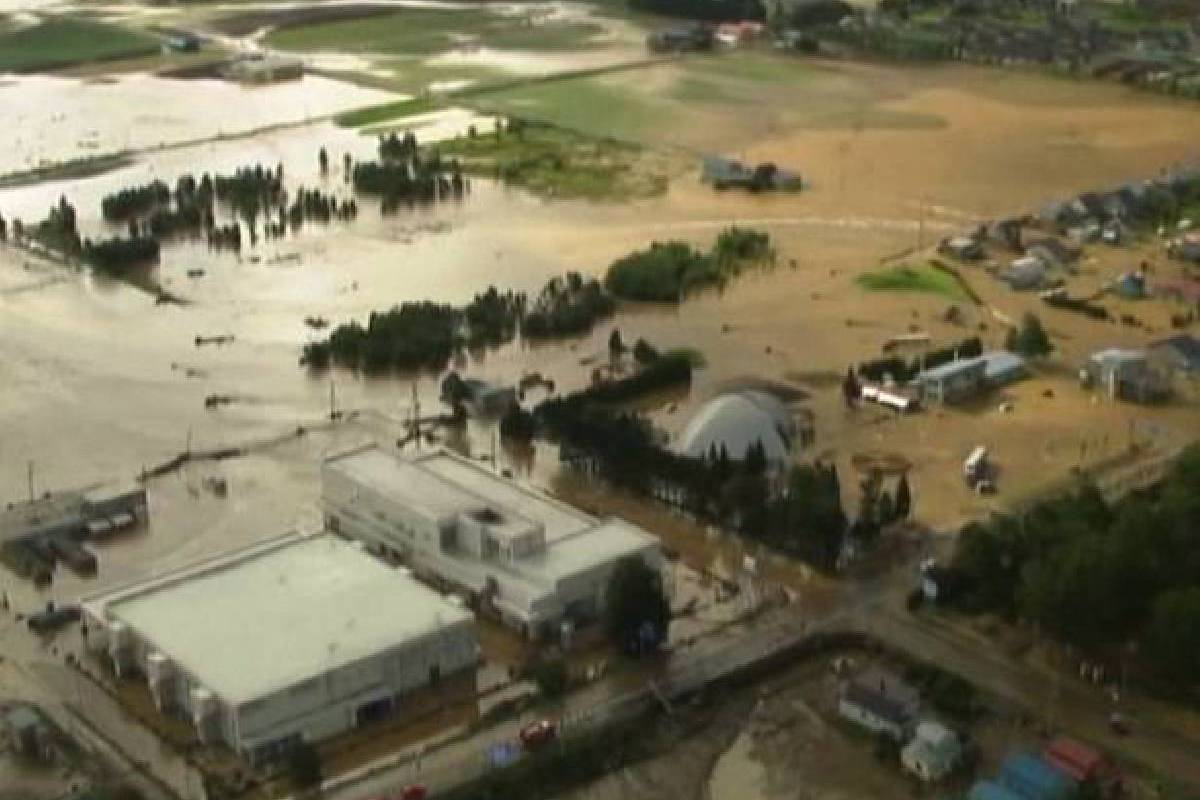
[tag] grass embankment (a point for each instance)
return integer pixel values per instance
(424, 31)
(83, 167)
(59, 42)
(905, 278)
(553, 162)
(373, 115)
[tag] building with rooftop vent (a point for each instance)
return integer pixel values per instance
(521, 555)
(297, 638)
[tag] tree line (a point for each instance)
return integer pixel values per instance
(667, 271)
(1118, 580)
(800, 514)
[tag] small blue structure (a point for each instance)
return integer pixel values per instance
(990, 790)
(1034, 779)
(1131, 286)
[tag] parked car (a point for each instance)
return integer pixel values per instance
(538, 733)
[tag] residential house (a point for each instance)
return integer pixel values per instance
(27, 732)
(933, 753)
(1125, 375)
(952, 382)
(693, 38)
(1025, 273)
(880, 702)
(1185, 291)
(1177, 354)
(964, 248)
(966, 378)
(726, 173)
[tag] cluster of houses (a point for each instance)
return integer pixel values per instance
(1053, 774)
(885, 705)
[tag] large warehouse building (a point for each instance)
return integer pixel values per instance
(294, 639)
(531, 559)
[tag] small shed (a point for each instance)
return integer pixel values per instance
(933, 753)
(1130, 286)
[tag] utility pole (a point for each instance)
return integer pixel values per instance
(30, 477)
(332, 403)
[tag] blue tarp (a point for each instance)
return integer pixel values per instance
(1033, 778)
(990, 790)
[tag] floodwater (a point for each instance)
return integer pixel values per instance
(99, 381)
(737, 775)
(53, 119)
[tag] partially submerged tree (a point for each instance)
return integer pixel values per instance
(1029, 339)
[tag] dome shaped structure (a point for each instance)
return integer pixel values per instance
(736, 421)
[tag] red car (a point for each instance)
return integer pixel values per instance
(416, 791)
(538, 733)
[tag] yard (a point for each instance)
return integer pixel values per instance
(56, 42)
(553, 162)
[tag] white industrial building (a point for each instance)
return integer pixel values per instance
(530, 559)
(294, 639)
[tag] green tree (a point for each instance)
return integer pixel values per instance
(1172, 641)
(323, 161)
(615, 345)
(1029, 339)
(636, 603)
(903, 498)
(551, 676)
(304, 766)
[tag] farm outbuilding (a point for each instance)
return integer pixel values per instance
(734, 422)
(294, 639)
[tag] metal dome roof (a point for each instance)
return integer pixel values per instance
(737, 420)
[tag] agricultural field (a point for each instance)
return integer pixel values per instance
(56, 42)
(422, 31)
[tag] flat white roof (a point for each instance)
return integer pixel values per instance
(274, 615)
(443, 485)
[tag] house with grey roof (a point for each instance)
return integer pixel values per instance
(1178, 354)
(1124, 374)
(880, 702)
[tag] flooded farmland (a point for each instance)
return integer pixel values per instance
(100, 381)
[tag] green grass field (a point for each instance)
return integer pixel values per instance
(905, 278)
(64, 41)
(420, 31)
(373, 115)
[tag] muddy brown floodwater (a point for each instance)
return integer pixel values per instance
(99, 381)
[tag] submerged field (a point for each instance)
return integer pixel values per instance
(64, 41)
